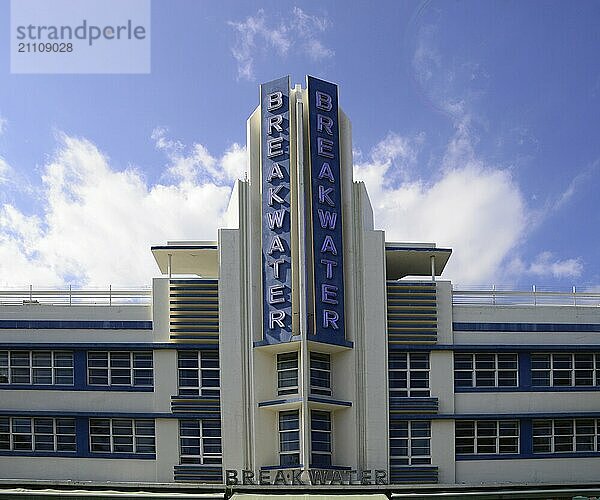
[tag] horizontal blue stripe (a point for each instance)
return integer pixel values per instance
(491, 348)
(73, 454)
(336, 402)
(527, 456)
(492, 416)
(278, 402)
(525, 327)
(281, 467)
(264, 343)
(419, 249)
(184, 247)
(458, 390)
(107, 346)
(21, 387)
(104, 414)
(74, 324)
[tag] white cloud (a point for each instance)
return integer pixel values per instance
(475, 208)
(3, 124)
(546, 265)
(259, 36)
(197, 164)
(98, 223)
(4, 171)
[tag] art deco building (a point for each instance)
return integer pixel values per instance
(300, 346)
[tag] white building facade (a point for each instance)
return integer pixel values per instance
(300, 347)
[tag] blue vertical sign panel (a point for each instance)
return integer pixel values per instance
(326, 211)
(276, 217)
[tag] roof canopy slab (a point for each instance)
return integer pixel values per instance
(200, 258)
(415, 259)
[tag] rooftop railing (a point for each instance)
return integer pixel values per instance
(77, 297)
(143, 296)
(533, 297)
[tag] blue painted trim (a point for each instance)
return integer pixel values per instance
(317, 399)
(82, 436)
(330, 467)
(525, 327)
(492, 348)
(264, 343)
(417, 249)
(524, 360)
(122, 456)
(53, 454)
(532, 389)
(278, 402)
(342, 343)
(459, 390)
(79, 370)
(491, 416)
(526, 436)
(108, 346)
(11, 324)
(563, 455)
(503, 456)
(281, 467)
(184, 247)
(544, 456)
(32, 387)
(73, 388)
(92, 414)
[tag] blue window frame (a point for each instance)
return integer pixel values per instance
(37, 434)
(200, 441)
(320, 373)
(120, 368)
(481, 437)
(122, 435)
(486, 370)
(198, 373)
(563, 369)
(289, 438)
(287, 373)
(566, 435)
(410, 442)
(408, 374)
(36, 367)
(320, 438)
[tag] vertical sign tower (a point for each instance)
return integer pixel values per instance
(323, 237)
(326, 213)
(276, 216)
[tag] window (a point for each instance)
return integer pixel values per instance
(320, 373)
(409, 374)
(117, 368)
(320, 438)
(479, 437)
(198, 373)
(485, 370)
(566, 435)
(289, 438)
(122, 435)
(36, 367)
(287, 373)
(37, 434)
(410, 442)
(565, 370)
(200, 441)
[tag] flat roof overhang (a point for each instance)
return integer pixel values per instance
(200, 258)
(414, 259)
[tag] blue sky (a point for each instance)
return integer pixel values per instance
(475, 125)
